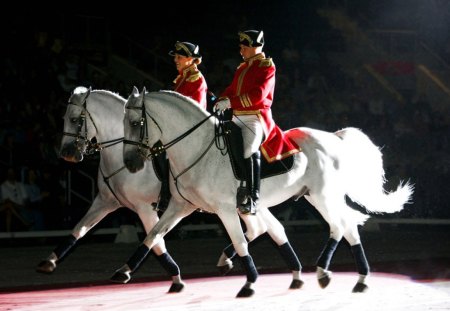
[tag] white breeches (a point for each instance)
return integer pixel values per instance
(252, 133)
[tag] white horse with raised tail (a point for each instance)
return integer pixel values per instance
(331, 166)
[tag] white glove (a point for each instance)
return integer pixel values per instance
(222, 105)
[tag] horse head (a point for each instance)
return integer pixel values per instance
(78, 126)
(137, 144)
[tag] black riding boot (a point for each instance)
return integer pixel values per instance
(253, 176)
(163, 171)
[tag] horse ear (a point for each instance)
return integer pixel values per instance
(135, 91)
(144, 90)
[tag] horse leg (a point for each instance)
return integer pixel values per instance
(323, 262)
(225, 263)
(322, 203)
(95, 214)
(362, 265)
(233, 227)
(256, 226)
(277, 233)
(262, 222)
(149, 218)
(168, 220)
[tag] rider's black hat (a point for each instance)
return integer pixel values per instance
(251, 38)
(186, 49)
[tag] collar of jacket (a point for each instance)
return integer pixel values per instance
(258, 56)
(191, 68)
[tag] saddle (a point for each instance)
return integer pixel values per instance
(235, 147)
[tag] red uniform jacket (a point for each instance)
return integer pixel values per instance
(191, 83)
(251, 92)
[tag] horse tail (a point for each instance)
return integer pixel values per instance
(359, 163)
(362, 163)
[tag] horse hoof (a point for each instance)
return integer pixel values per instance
(245, 292)
(46, 266)
(324, 281)
(223, 270)
(176, 287)
(296, 284)
(120, 277)
(360, 288)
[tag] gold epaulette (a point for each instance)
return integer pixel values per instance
(266, 62)
(194, 77)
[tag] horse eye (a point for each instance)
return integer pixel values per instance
(74, 120)
(134, 123)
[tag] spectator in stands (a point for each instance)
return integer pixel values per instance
(14, 201)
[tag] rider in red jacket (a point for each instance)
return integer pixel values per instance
(250, 95)
(191, 83)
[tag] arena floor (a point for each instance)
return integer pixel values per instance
(387, 292)
(410, 271)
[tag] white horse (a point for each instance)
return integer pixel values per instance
(330, 166)
(99, 114)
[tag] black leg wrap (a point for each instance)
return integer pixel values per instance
(229, 251)
(64, 247)
(138, 256)
(327, 253)
(168, 264)
(290, 257)
(360, 259)
(250, 268)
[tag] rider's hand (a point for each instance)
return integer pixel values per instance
(222, 105)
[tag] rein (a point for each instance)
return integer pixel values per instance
(219, 133)
(155, 151)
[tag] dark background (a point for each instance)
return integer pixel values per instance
(47, 51)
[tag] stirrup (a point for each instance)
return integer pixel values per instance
(249, 207)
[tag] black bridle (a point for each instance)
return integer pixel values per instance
(152, 151)
(143, 143)
(92, 147)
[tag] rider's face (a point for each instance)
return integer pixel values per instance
(182, 62)
(246, 51)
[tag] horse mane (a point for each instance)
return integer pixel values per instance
(191, 104)
(113, 94)
(81, 90)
